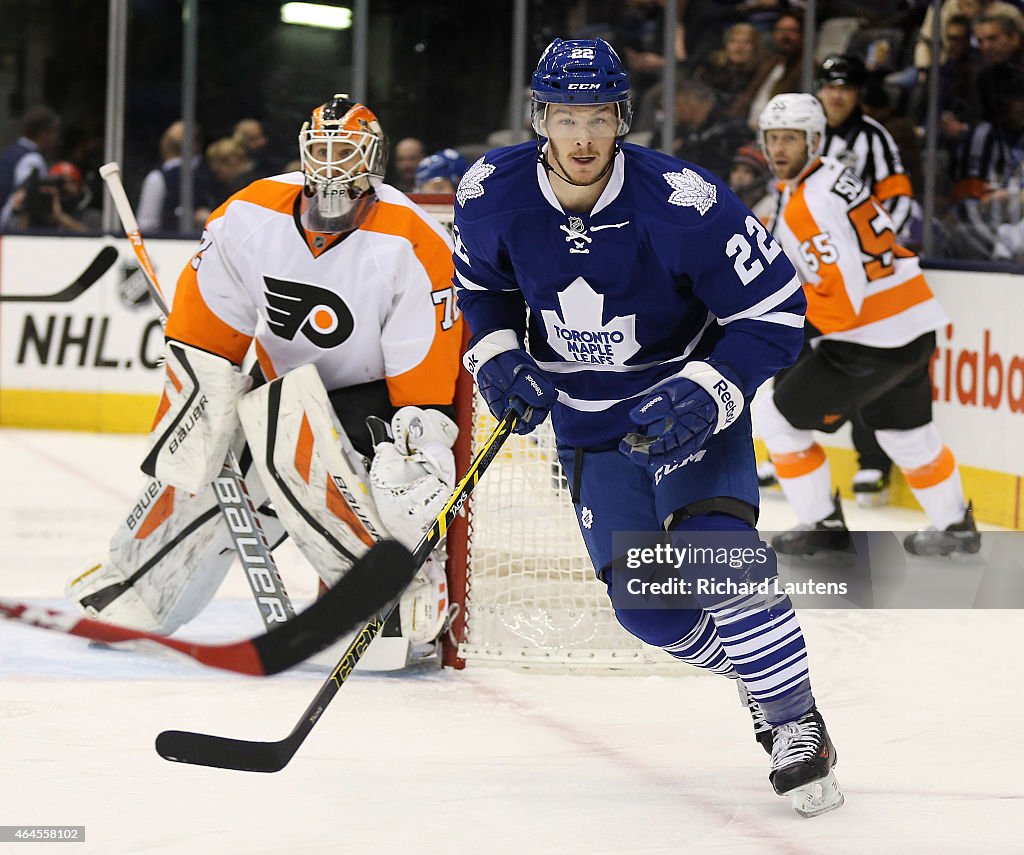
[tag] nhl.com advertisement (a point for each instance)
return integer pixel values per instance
(77, 324)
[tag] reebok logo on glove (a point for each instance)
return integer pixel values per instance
(657, 399)
(722, 389)
(533, 383)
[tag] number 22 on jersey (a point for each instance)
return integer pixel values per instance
(739, 249)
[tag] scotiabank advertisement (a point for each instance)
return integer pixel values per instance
(75, 316)
(978, 368)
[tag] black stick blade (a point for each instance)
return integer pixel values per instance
(201, 749)
(376, 579)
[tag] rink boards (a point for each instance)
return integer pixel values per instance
(90, 361)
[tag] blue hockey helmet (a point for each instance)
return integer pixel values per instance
(446, 164)
(580, 72)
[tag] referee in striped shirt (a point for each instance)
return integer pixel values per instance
(868, 149)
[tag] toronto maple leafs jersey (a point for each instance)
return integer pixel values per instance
(373, 304)
(667, 268)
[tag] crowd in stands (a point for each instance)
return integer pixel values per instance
(731, 58)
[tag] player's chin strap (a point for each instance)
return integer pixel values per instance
(543, 161)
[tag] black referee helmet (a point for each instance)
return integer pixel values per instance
(842, 69)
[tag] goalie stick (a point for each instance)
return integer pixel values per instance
(236, 506)
(103, 261)
(202, 749)
(378, 576)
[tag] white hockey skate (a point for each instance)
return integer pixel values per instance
(802, 760)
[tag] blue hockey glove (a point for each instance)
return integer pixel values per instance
(678, 417)
(510, 377)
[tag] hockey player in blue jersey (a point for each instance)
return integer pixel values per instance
(635, 299)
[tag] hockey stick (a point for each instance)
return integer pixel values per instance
(382, 572)
(202, 749)
(103, 261)
(236, 506)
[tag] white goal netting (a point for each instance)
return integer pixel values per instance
(532, 596)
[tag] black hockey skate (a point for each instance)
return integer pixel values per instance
(959, 537)
(766, 475)
(762, 730)
(871, 488)
(802, 762)
(827, 535)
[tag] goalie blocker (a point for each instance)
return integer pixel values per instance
(171, 553)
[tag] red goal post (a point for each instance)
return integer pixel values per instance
(521, 583)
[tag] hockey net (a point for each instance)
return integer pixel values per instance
(522, 585)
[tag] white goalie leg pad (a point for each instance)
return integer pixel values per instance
(196, 420)
(166, 561)
(314, 477)
(126, 609)
(423, 608)
(414, 476)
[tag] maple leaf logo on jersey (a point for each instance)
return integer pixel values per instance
(320, 315)
(581, 335)
(471, 185)
(689, 190)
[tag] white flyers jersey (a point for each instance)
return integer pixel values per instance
(861, 286)
(373, 304)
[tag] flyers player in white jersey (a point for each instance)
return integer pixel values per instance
(871, 321)
(343, 287)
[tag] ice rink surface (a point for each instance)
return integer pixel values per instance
(925, 709)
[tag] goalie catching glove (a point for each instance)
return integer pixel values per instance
(413, 476)
(196, 419)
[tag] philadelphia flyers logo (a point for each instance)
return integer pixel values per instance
(320, 315)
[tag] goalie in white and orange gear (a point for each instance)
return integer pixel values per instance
(871, 321)
(344, 288)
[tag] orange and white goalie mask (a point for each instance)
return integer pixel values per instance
(343, 153)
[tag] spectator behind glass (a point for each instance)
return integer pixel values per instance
(970, 9)
(408, 154)
(54, 203)
(749, 179)
(250, 135)
(777, 74)
(730, 69)
(999, 39)
(441, 172)
(159, 206)
(639, 39)
(230, 169)
(40, 137)
(704, 135)
(989, 171)
(958, 84)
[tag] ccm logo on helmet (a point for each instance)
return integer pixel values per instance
(583, 86)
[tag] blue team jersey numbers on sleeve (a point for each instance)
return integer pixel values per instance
(748, 250)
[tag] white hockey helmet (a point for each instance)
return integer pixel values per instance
(794, 111)
(343, 153)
